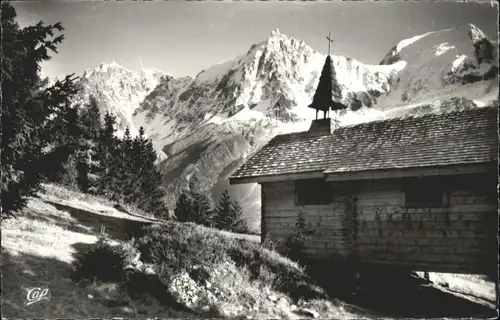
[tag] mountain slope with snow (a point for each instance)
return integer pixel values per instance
(118, 90)
(274, 79)
(208, 125)
(459, 62)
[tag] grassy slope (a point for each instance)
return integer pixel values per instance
(39, 246)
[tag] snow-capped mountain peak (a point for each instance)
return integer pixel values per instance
(277, 78)
(118, 90)
(208, 125)
(446, 63)
(476, 34)
(275, 33)
(107, 67)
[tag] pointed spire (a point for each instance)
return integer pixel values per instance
(336, 92)
(328, 94)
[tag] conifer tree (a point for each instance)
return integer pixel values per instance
(193, 205)
(107, 156)
(91, 127)
(29, 106)
(126, 169)
(65, 132)
(228, 214)
(223, 211)
(91, 119)
(152, 193)
(202, 209)
(73, 146)
(75, 133)
(238, 224)
(69, 176)
(184, 207)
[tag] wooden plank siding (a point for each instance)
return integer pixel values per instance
(461, 237)
(279, 216)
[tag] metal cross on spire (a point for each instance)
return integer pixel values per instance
(330, 41)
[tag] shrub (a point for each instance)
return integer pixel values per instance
(294, 245)
(175, 248)
(104, 261)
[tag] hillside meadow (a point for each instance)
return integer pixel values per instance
(98, 261)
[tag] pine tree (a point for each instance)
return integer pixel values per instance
(228, 214)
(65, 132)
(78, 146)
(107, 156)
(203, 212)
(238, 224)
(126, 170)
(202, 209)
(223, 211)
(91, 119)
(193, 205)
(152, 192)
(184, 207)
(69, 176)
(108, 141)
(153, 195)
(29, 106)
(72, 135)
(132, 177)
(139, 147)
(91, 127)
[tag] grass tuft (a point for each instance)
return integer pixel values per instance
(243, 277)
(103, 261)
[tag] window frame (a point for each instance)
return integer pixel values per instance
(310, 187)
(427, 185)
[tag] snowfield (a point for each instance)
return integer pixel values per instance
(227, 112)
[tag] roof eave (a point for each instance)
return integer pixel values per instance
(277, 177)
(469, 168)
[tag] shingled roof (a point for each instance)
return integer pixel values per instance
(453, 138)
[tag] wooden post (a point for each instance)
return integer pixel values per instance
(263, 226)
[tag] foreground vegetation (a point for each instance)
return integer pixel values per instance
(183, 270)
(49, 137)
(209, 273)
(93, 254)
(81, 248)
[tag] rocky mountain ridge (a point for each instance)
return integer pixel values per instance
(208, 125)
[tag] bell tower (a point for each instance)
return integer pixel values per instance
(328, 95)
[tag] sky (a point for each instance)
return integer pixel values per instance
(182, 38)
